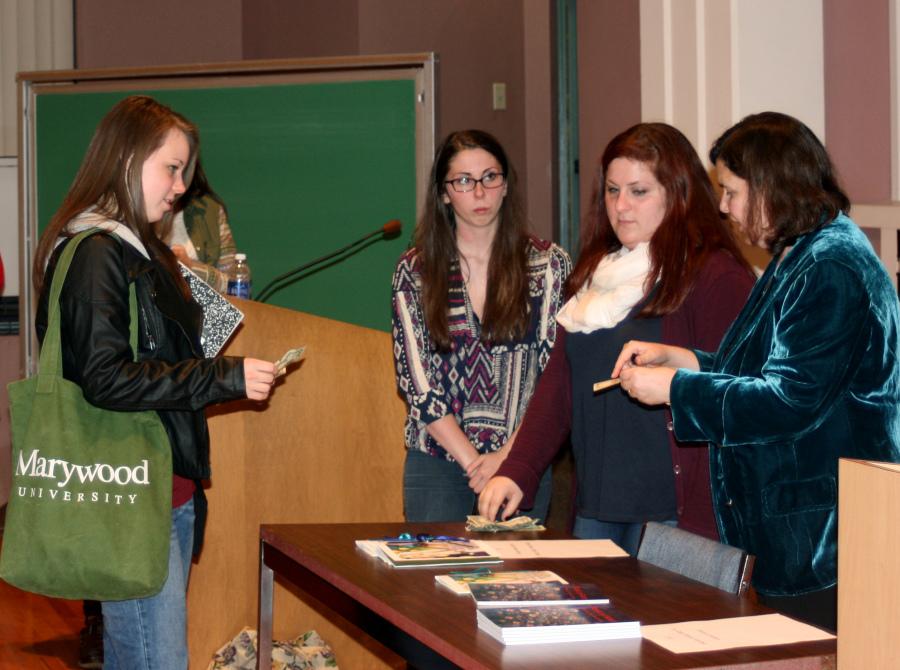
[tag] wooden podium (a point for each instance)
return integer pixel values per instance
(327, 447)
(868, 559)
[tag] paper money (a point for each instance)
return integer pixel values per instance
(483, 524)
(290, 356)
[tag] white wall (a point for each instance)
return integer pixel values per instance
(705, 64)
(778, 59)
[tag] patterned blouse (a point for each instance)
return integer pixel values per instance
(485, 387)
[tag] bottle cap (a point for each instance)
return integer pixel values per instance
(240, 257)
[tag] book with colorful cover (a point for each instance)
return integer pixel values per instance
(432, 552)
(536, 595)
(556, 623)
(459, 582)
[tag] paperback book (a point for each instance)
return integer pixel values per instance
(536, 595)
(432, 552)
(556, 623)
(459, 582)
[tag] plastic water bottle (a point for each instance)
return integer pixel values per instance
(239, 282)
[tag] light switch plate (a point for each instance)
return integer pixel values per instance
(499, 95)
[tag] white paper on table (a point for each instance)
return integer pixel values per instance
(514, 549)
(762, 630)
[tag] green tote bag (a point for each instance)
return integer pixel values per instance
(89, 512)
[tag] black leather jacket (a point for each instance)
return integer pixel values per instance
(171, 376)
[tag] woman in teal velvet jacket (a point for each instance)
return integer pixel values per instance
(808, 373)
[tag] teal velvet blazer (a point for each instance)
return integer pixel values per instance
(807, 373)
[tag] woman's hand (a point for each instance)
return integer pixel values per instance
(640, 353)
(486, 465)
(649, 386)
(259, 378)
(499, 492)
(483, 468)
(181, 254)
(653, 354)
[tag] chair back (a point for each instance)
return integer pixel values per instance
(697, 557)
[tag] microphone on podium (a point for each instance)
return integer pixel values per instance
(390, 229)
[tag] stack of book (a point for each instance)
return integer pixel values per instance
(429, 552)
(549, 612)
(459, 582)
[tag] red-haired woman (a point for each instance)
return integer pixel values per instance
(657, 263)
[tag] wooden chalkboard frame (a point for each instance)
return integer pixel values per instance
(419, 69)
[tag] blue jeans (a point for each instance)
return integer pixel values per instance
(626, 535)
(435, 489)
(151, 633)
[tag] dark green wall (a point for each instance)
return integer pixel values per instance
(302, 168)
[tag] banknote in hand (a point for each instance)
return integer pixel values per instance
(290, 356)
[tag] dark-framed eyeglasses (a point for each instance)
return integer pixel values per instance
(466, 184)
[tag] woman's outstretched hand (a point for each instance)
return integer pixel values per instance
(259, 378)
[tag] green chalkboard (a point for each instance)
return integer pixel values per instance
(303, 168)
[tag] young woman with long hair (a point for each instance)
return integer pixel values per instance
(135, 168)
(474, 304)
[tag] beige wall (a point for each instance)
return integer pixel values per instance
(477, 43)
(112, 33)
(278, 29)
(858, 96)
(609, 80)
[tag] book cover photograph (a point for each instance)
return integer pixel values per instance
(459, 582)
(444, 551)
(556, 623)
(541, 594)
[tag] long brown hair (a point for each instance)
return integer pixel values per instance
(789, 175)
(109, 179)
(691, 228)
(506, 304)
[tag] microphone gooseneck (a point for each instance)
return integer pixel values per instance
(389, 229)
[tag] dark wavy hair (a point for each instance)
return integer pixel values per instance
(506, 314)
(691, 228)
(109, 178)
(792, 186)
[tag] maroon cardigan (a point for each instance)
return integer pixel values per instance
(721, 288)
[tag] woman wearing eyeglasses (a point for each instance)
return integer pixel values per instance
(656, 263)
(474, 307)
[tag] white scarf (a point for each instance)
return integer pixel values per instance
(615, 287)
(91, 219)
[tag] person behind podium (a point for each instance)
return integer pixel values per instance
(474, 307)
(199, 234)
(656, 262)
(807, 374)
(133, 172)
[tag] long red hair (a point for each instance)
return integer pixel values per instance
(691, 228)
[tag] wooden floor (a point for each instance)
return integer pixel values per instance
(37, 633)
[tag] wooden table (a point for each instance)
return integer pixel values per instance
(405, 610)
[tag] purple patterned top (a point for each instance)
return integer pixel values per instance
(485, 387)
